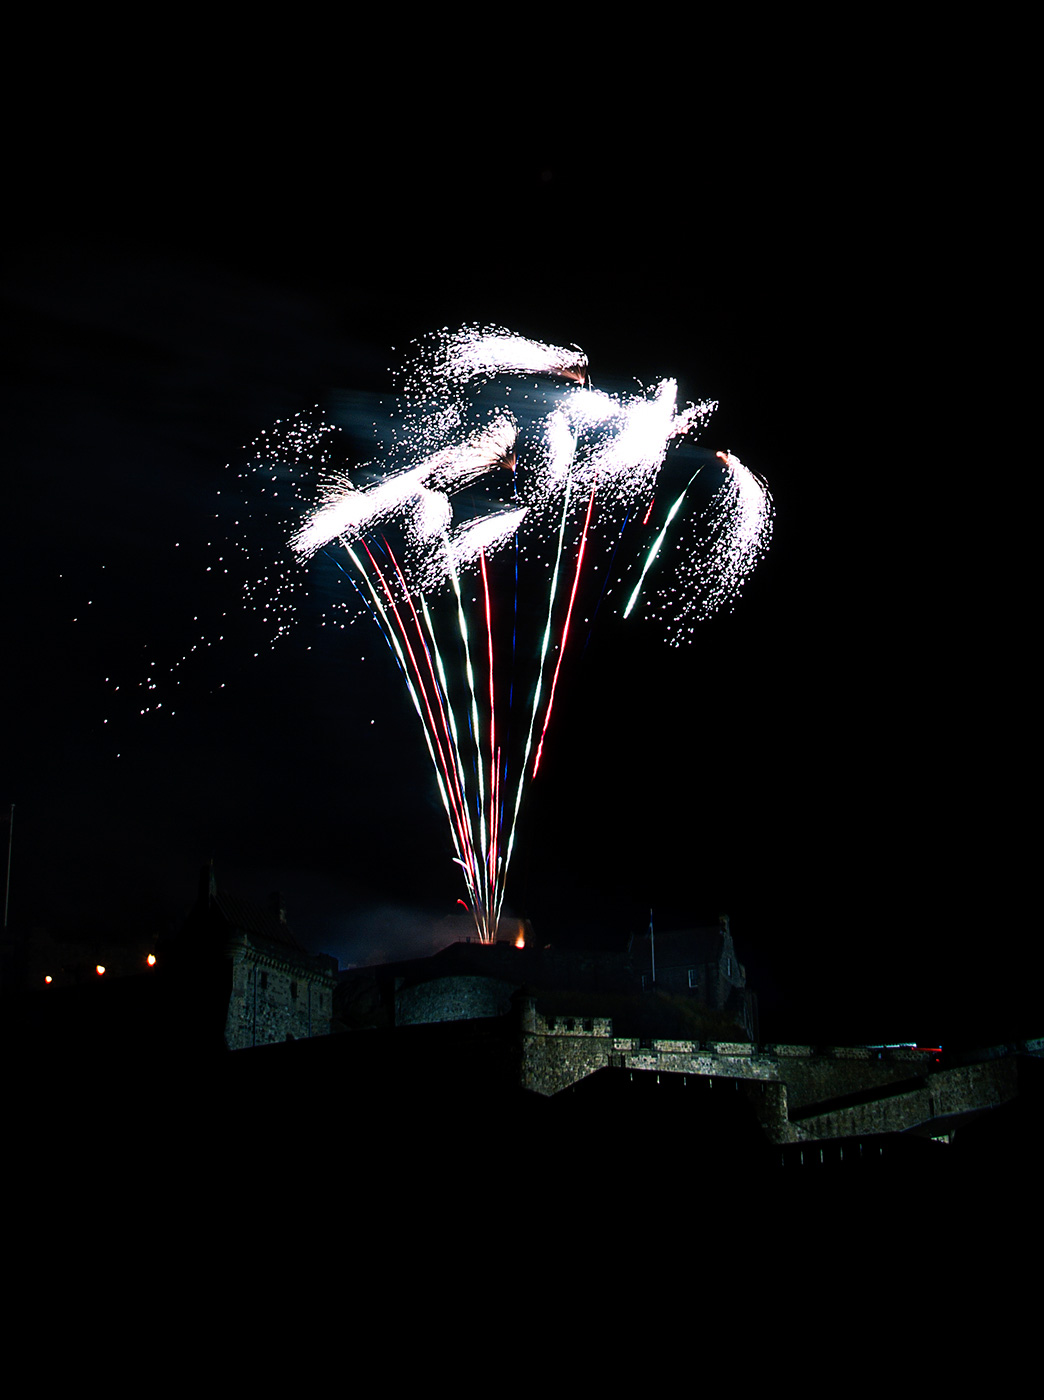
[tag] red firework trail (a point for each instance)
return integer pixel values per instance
(453, 789)
(493, 764)
(454, 785)
(565, 629)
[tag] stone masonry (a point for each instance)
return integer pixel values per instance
(275, 999)
(799, 1093)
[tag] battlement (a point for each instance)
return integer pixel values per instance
(799, 1093)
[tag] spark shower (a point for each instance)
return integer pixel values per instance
(509, 501)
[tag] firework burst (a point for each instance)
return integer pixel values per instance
(501, 474)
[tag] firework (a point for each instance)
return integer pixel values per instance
(502, 472)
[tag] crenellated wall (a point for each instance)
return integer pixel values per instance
(561, 1050)
(799, 1093)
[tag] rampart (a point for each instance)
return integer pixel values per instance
(799, 1093)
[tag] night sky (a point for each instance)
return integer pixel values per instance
(833, 763)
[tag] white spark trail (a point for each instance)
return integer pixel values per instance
(475, 351)
(346, 510)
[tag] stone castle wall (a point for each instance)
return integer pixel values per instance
(815, 1073)
(886, 1091)
(558, 1051)
(946, 1093)
(272, 1001)
(460, 998)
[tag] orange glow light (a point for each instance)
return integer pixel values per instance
(48, 977)
(151, 960)
(100, 969)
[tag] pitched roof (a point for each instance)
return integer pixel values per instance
(255, 919)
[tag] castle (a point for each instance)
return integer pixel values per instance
(671, 1007)
(475, 1032)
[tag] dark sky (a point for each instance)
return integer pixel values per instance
(834, 763)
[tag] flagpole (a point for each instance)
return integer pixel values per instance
(7, 883)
